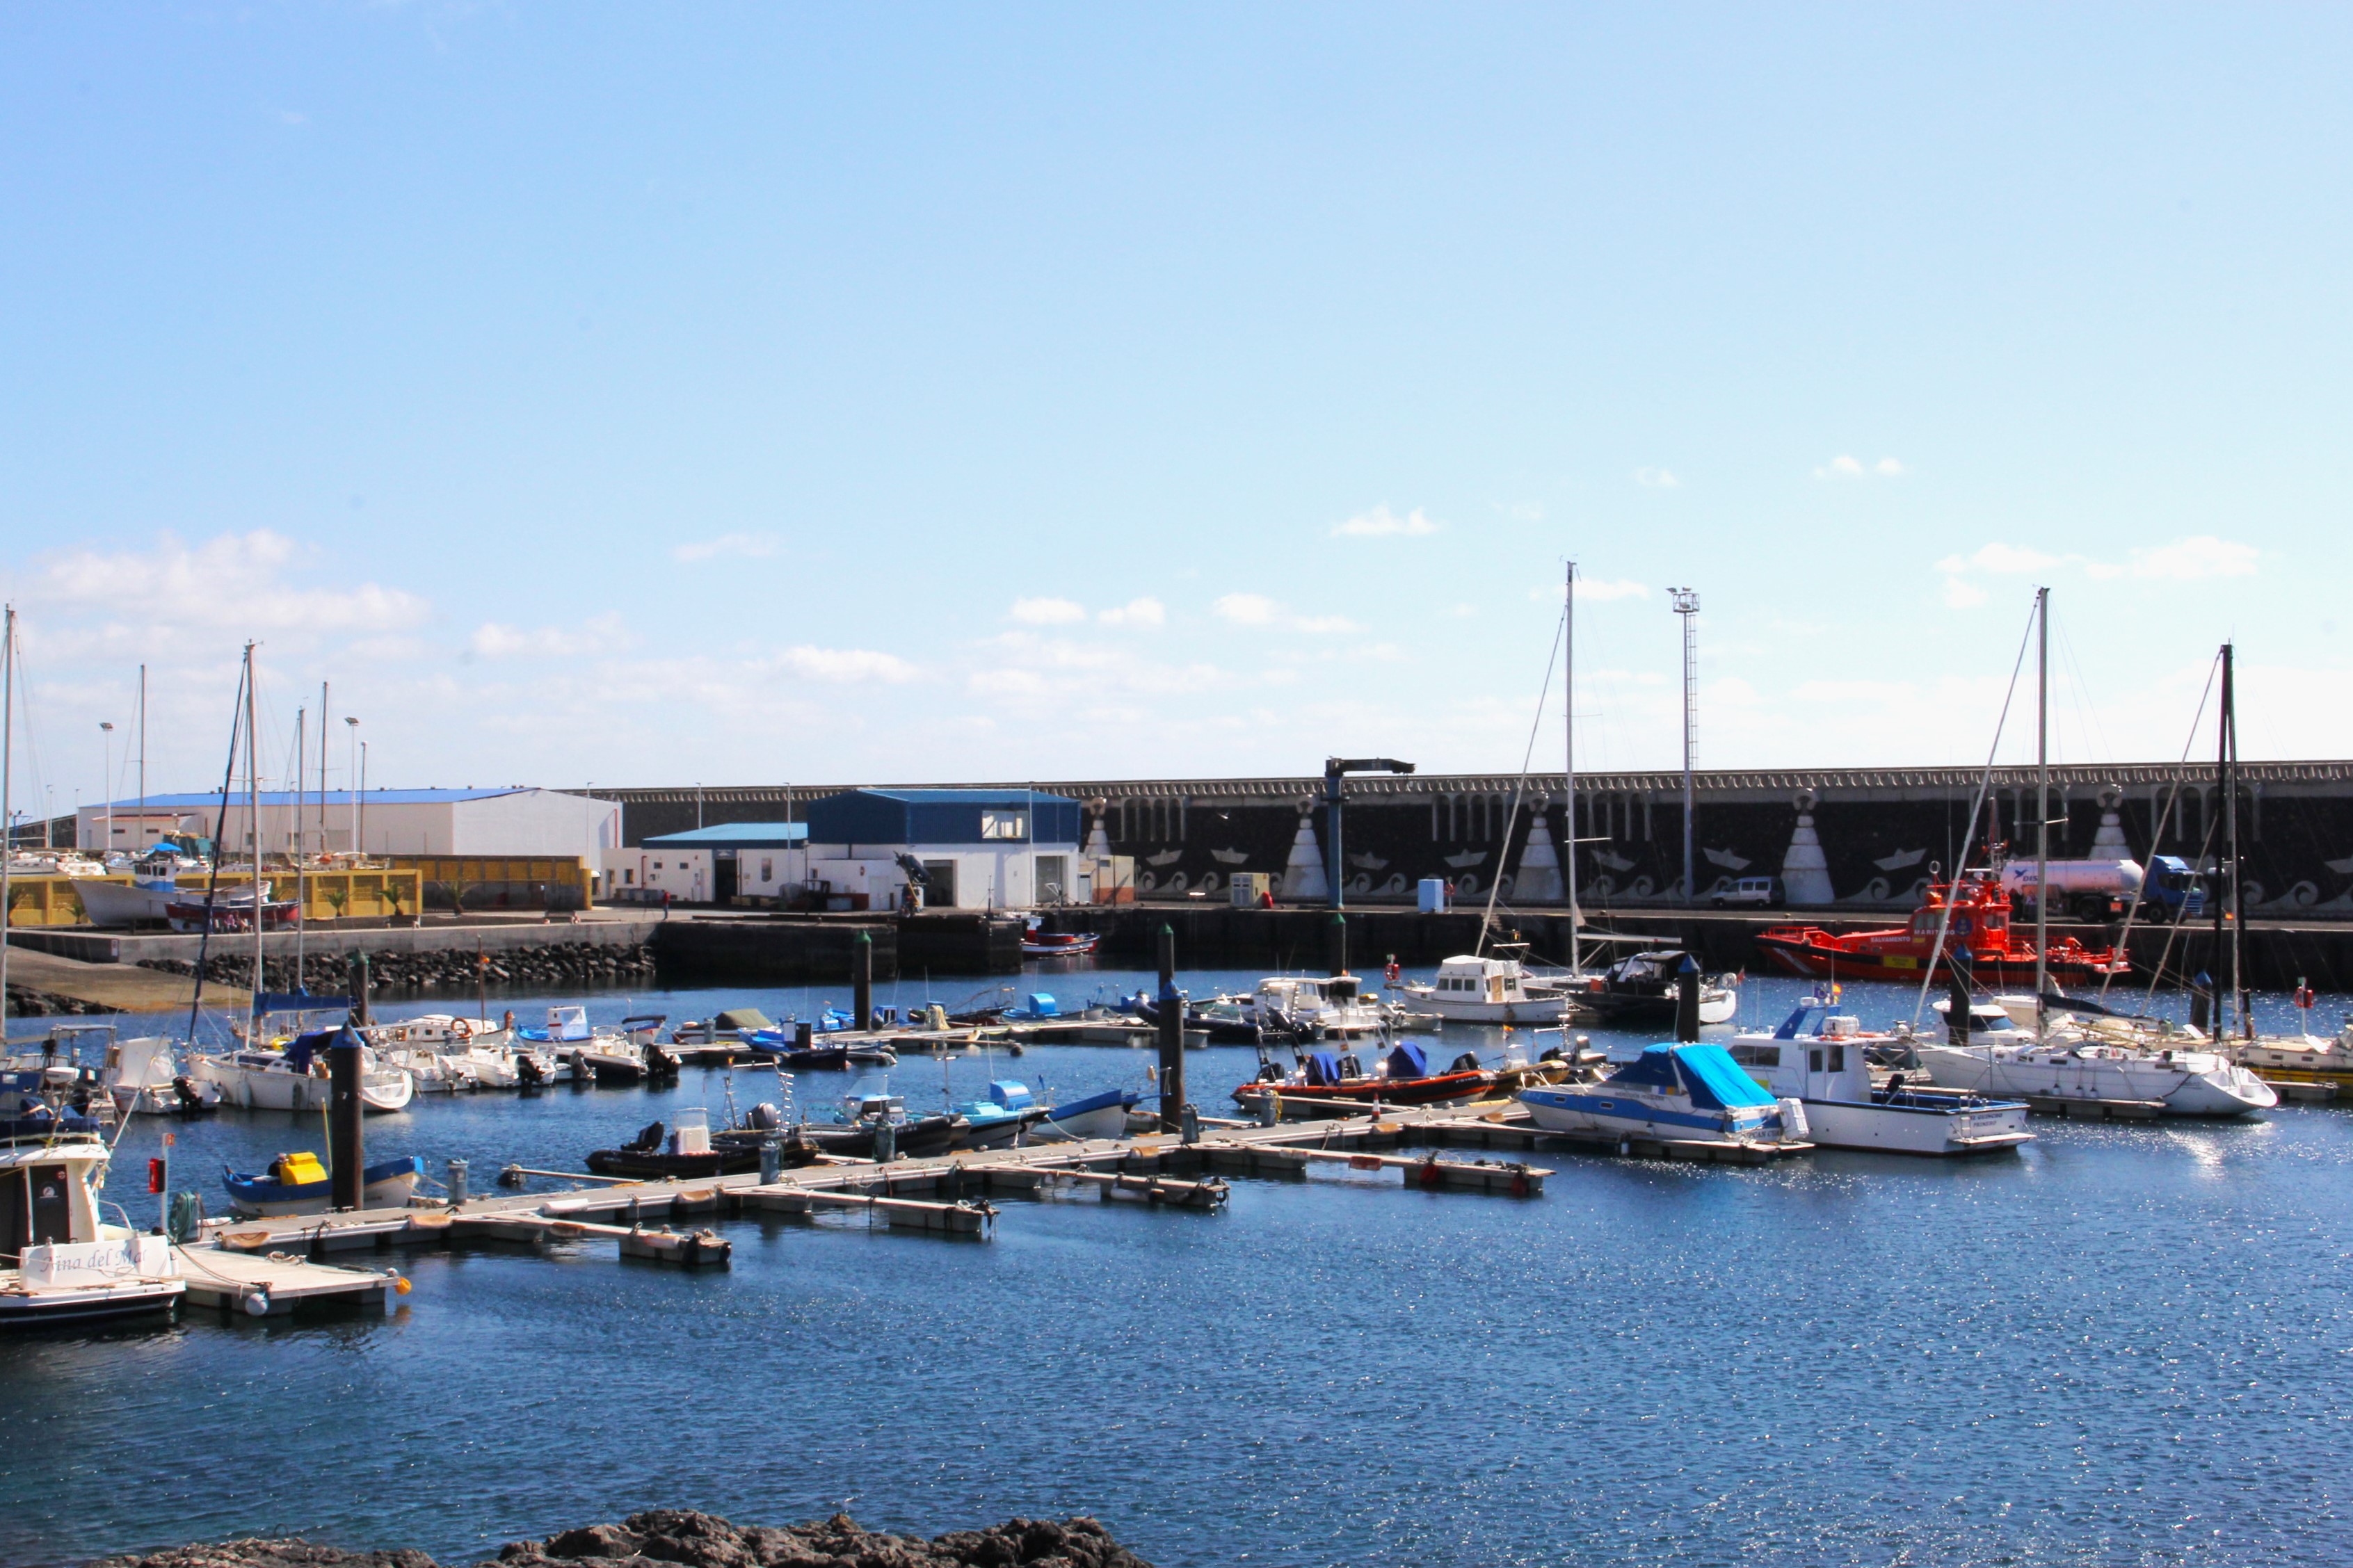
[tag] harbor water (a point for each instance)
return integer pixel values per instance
(2123, 1343)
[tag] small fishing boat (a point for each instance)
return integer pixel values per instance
(1329, 1082)
(149, 1076)
(1102, 1115)
(690, 1150)
(1037, 942)
(1301, 1008)
(1826, 1066)
(64, 1263)
(1000, 1119)
(299, 1183)
(861, 1115)
(1975, 914)
(1674, 1094)
(231, 909)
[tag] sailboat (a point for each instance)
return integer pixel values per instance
(2063, 1064)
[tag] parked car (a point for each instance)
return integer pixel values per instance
(1763, 891)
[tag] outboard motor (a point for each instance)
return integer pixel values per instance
(765, 1118)
(528, 1074)
(1467, 1062)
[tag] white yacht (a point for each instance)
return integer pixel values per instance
(1497, 988)
(296, 1078)
(60, 1260)
(2092, 1059)
(1674, 1094)
(1826, 1070)
(1313, 1007)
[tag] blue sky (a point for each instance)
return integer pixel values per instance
(741, 394)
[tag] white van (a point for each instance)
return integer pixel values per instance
(1764, 891)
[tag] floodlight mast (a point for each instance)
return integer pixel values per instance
(1335, 769)
(1686, 604)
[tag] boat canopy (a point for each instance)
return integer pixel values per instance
(1716, 1080)
(1708, 1073)
(1407, 1059)
(1324, 1068)
(1010, 1094)
(742, 1018)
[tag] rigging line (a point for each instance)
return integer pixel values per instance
(2087, 712)
(2175, 927)
(1519, 786)
(220, 851)
(2157, 836)
(1977, 805)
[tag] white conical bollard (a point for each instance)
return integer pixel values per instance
(2108, 842)
(1805, 874)
(1539, 880)
(1099, 841)
(1303, 874)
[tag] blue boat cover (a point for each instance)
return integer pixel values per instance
(1010, 1094)
(1408, 1060)
(1041, 1006)
(1324, 1068)
(1654, 1069)
(1716, 1080)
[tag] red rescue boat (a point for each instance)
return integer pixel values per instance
(1978, 936)
(1331, 1083)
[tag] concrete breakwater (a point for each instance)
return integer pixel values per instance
(663, 1538)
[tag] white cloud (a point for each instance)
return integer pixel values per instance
(1845, 467)
(1047, 612)
(233, 581)
(1382, 523)
(1144, 612)
(1657, 478)
(1258, 610)
(1962, 594)
(847, 663)
(605, 634)
(746, 546)
(2196, 558)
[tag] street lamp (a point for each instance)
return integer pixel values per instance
(106, 782)
(352, 723)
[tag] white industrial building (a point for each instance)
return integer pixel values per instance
(980, 848)
(713, 864)
(513, 821)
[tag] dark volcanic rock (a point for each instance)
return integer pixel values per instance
(669, 1536)
(257, 1553)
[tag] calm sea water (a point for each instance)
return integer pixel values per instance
(2121, 1345)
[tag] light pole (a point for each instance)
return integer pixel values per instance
(352, 723)
(106, 782)
(361, 818)
(1686, 604)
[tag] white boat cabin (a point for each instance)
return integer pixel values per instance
(1496, 980)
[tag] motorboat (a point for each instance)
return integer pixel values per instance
(299, 1183)
(1336, 1083)
(999, 1119)
(231, 909)
(728, 1027)
(2070, 1061)
(1974, 914)
(61, 1262)
(1494, 988)
(689, 1150)
(860, 1118)
(1642, 991)
(296, 1077)
(1822, 1059)
(1674, 1094)
(55, 1070)
(1302, 1008)
(152, 1076)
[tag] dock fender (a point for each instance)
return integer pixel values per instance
(1793, 1120)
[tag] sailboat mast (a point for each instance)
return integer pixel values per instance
(2041, 804)
(2230, 749)
(253, 819)
(302, 900)
(8, 776)
(1568, 750)
(141, 830)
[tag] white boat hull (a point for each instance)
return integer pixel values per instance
(381, 1089)
(2193, 1084)
(1917, 1130)
(1599, 1109)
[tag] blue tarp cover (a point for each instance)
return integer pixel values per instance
(1655, 1069)
(1408, 1060)
(1323, 1067)
(1716, 1080)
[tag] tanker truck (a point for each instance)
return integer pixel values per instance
(2104, 890)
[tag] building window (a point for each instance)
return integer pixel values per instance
(657, 865)
(1004, 824)
(767, 871)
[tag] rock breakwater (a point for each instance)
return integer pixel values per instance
(557, 964)
(667, 1538)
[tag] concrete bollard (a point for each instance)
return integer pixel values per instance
(772, 1161)
(886, 1143)
(457, 1183)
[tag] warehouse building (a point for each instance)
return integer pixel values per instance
(713, 864)
(977, 849)
(515, 821)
